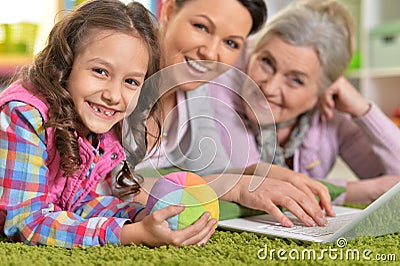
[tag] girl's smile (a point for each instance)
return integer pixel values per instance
(102, 111)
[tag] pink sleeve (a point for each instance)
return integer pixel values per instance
(370, 145)
(384, 137)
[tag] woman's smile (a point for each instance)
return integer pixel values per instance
(195, 67)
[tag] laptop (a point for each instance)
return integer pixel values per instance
(380, 218)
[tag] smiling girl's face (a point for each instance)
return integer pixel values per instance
(203, 30)
(106, 78)
(287, 75)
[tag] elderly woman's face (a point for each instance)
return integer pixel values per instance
(287, 75)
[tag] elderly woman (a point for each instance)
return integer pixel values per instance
(297, 62)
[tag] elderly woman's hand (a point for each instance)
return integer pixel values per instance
(367, 190)
(300, 200)
(277, 187)
(344, 97)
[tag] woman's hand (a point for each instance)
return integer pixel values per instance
(153, 230)
(308, 186)
(296, 193)
(281, 187)
(344, 97)
(368, 190)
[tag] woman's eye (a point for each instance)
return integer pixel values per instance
(232, 44)
(201, 27)
(268, 65)
(298, 81)
(266, 61)
(100, 71)
(295, 81)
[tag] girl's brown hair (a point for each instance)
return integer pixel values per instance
(52, 67)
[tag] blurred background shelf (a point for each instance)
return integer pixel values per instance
(9, 63)
(387, 72)
(379, 84)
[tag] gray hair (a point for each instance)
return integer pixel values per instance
(326, 26)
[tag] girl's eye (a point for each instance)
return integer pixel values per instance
(132, 82)
(201, 27)
(100, 71)
(232, 44)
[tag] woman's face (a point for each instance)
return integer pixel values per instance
(106, 79)
(203, 30)
(287, 75)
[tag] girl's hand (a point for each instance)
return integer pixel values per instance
(153, 230)
(344, 97)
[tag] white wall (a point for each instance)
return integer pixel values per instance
(274, 6)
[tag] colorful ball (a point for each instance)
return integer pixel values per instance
(183, 188)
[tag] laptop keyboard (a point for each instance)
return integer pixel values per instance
(334, 224)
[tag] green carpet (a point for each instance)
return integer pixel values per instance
(224, 248)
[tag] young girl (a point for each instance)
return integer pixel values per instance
(61, 135)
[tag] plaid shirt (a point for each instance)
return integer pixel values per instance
(26, 214)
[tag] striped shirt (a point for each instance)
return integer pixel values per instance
(26, 214)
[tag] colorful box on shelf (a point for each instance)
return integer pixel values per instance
(385, 45)
(355, 62)
(396, 116)
(2, 39)
(396, 120)
(18, 38)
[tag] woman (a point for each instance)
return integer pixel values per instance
(198, 30)
(297, 63)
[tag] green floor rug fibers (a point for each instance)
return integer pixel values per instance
(224, 248)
